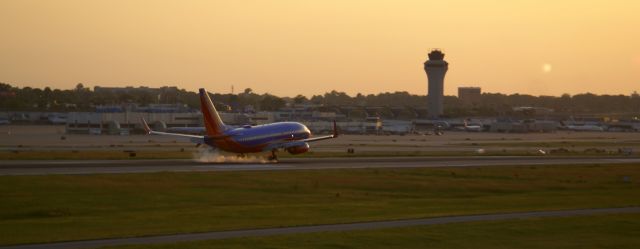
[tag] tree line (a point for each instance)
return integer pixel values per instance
(81, 98)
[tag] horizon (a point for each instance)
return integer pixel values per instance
(239, 91)
(287, 48)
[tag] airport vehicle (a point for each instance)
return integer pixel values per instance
(292, 137)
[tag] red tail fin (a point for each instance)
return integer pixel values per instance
(212, 121)
(145, 126)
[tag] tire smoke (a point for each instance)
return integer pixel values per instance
(208, 155)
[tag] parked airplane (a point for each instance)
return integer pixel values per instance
(290, 136)
(586, 127)
(582, 127)
(472, 127)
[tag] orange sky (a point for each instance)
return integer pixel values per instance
(310, 47)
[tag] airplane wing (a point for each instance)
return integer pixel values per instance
(289, 144)
(192, 138)
(313, 139)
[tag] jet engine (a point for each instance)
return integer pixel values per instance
(298, 149)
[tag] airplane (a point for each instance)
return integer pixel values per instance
(583, 127)
(586, 127)
(473, 127)
(292, 137)
(470, 128)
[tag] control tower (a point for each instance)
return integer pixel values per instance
(436, 67)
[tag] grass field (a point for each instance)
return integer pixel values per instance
(65, 207)
(601, 231)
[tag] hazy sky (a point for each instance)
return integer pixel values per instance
(310, 47)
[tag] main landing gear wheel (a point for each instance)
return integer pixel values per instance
(273, 156)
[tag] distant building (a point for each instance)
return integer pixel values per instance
(151, 108)
(7, 94)
(130, 89)
(163, 94)
(469, 95)
(436, 68)
(522, 126)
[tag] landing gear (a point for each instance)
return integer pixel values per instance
(273, 156)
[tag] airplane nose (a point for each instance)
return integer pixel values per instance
(306, 131)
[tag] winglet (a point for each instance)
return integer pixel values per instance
(145, 126)
(335, 129)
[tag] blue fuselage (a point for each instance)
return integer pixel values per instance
(255, 138)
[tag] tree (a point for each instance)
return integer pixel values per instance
(146, 98)
(4, 87)
(337, 98)
(300, 99)
(80, 87)
(317, 99)
(389, 104)
(271, 103)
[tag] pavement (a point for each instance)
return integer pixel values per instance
(319, 228)
(78, 167)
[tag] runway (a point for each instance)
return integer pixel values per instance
(319, 228)
(75, 167)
